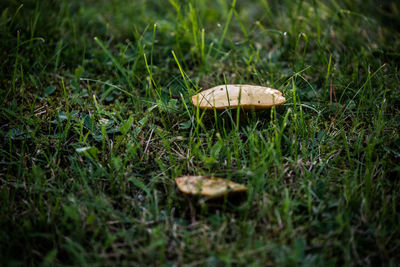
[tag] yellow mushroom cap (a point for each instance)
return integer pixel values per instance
(210, 187)
(233, 95)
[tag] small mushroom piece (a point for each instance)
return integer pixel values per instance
(233, 95)
(210, 187)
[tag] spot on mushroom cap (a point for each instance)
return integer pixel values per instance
(234, 95)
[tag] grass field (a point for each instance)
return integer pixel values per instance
(96, 123)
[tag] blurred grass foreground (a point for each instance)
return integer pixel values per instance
(96, 123)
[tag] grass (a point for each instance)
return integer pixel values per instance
(96, 122)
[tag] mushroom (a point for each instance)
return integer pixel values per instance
(210, 187)
(234, 95)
